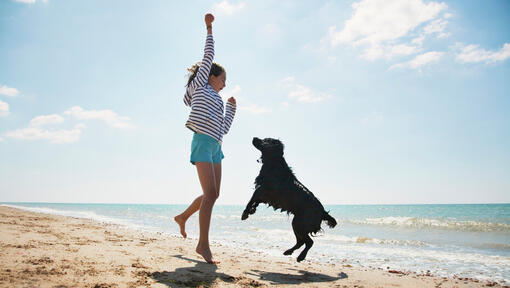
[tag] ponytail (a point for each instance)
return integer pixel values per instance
(216, 70)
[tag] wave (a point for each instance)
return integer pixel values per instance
(77, 214)
(283, 235)
(413, 222)
(369, 240)
(497, 246)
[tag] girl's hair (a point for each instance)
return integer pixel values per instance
(216, 70)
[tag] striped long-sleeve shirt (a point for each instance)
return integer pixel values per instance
(207, 113)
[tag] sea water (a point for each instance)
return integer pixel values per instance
(471, 240)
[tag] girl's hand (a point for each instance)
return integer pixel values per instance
(209, 18)
(232, 100)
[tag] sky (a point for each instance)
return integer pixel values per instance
(376, 101)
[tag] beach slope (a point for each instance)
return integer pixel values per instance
(40, 250)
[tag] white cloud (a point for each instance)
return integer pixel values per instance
(254, 109)
(418, 40)
(403, 49)
(4, 108)
(242, 103)
(8, 91)
(1, 139)
(29, 1)
(332, 59)
(305, 94)
(420, 60)
(376, 21)
(225, 8)
(301, 93)
(271, 28)
(288, 81)
(475, 54)
(376, 26)
(111, 118)
(46, 119)
(37, 131)
(437, 26)
(375, 51)
(53, 136)
(234, 92)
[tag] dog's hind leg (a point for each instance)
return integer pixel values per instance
(309, 244)
(299, 238)
(291, 250)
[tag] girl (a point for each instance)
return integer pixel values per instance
(209, 123)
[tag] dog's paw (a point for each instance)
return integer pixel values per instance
(301, 257)
(244, 216)
(288, 252)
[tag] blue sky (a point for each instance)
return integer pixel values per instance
(376, 101)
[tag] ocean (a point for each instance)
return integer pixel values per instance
(465, 240)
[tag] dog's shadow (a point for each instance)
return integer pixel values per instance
(303, 277)
(202, 274)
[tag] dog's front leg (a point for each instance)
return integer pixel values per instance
(251, 207)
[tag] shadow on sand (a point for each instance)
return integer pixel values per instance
(303, 277)
(202, 274)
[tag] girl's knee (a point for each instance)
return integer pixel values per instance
(210, 196)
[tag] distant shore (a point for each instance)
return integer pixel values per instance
(41, 250)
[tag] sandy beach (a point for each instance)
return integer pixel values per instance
(41, 250)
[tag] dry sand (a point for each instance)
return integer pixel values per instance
(40, 250)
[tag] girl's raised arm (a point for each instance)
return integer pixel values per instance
(202, 75)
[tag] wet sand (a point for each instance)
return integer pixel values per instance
(40, 250)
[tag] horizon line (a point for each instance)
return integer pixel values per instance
(242, 204)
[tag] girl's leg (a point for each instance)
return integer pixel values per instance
(217, 175)
(208, 181)
(183, 217)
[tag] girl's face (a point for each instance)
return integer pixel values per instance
(218, 82)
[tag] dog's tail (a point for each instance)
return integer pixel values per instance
(329, 220)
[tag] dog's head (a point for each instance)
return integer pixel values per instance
(269, 147)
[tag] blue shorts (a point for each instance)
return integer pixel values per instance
(204, 148)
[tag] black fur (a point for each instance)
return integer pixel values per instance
(277, 186)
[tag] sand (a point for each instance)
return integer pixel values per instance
(40, 250)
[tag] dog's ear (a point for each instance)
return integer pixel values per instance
(273, 147)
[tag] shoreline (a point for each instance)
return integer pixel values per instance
(46, 250)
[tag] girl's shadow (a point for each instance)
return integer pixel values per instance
(202, 274)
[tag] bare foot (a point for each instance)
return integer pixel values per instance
(206, 253)
(182, 224)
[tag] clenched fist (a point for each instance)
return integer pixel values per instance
(209, 18)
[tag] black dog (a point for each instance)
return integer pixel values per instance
(277, 186)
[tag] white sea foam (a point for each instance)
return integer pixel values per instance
(442, 263)
(405, 255)
(369, 240)
(414, 222)
(78, 214)
(257, 218)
